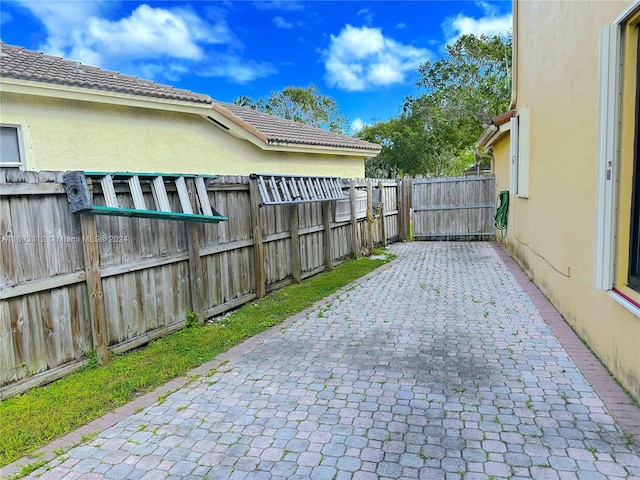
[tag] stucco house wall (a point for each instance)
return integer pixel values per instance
(65, 134)
(552, 232)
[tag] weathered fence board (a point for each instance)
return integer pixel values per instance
(456, 207)
(66, 283)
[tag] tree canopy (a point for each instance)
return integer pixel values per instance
(437, 130)
(304, 105)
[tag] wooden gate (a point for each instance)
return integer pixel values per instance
(455, 208)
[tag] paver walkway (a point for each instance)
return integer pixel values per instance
(439, 366)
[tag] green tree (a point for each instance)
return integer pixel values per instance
(403, 141)
(473, 80)
(465, 89)
(243, 101)
(303, 105)
(436, 133)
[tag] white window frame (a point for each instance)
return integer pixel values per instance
(19, 164)
(608, 155)
(519, 149)
(513, 150)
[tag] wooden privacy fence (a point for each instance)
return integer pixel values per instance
(453, 208)
(73, 283)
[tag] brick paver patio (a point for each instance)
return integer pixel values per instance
(438, 366)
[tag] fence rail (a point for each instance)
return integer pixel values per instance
(453, 208)
(70, 284)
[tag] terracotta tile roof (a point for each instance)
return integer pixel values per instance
(278, 131)
(20, 63)
(503, 118)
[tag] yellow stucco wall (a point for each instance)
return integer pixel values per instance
(60, 134)
(552, 233)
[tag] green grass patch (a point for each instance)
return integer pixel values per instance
(37, 417)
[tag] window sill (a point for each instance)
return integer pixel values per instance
(625, 301)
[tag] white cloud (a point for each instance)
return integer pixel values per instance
(172, 72)
(285, 5)
(490, 24)
(366, 15)
(236, 69)
(60, 17)
(148, 33)
(282, 23)
(156, 43)
(489, 9)
(362, 58)
(356, 125)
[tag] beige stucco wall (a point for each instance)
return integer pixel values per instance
(552, 233)
(60, 134)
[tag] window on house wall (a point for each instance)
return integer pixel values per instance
(10, 152)
(634, 247)
(617, 248)
(519, 146)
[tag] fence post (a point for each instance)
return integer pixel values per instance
(406, 191)
(355, 245)
(295, 242)
(94, 286)
(382, 210)
(254, 199)
(195, 264)
(400, 209)
(328, 244)
(371, 241)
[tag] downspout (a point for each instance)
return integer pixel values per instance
(514, 56)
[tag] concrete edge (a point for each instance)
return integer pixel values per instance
(108, 420)
(616, 401)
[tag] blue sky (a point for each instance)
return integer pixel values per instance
(364, 54)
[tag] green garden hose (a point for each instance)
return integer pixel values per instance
(501, 212)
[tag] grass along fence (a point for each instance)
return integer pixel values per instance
(70, 284)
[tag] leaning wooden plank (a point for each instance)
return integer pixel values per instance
(303, 194)
(109, 192)
(293, 188)
(285, 190)
(264, 191)
(136, 193)
(183, 195)
(160, 194)
(274, 190)
(308, 184)
(203, 197)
